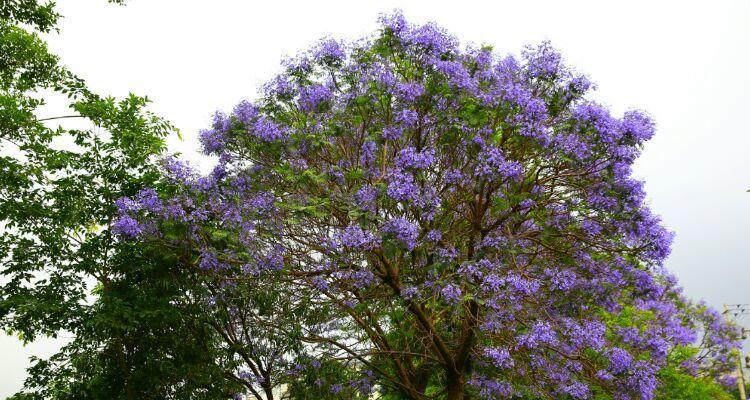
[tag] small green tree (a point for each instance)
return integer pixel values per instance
(136, 316)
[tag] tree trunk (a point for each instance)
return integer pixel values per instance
(456, 385)
(268, 390)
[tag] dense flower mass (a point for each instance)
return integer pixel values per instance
(467, 221)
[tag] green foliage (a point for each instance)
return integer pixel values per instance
(676, 383)
(40, 16)
(25, 62)
(143, 338)
(315, 383)
(138, 323)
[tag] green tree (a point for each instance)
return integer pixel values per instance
(134, 313)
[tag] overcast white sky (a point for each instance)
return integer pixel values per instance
(687, 63)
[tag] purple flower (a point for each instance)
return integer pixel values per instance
(394, 22)
(209, 262)
(274, 261)
(312, 97)
(619, 360)
(410, 292)
(401, 186)
(280, 87)
(541, 333)
(407, 117)
(409, 91)
(392, 132)
(354, 237)
(329, 50)
(410, 158)
(126, 226)
(179, 171)
(267, 130)
(367, 155)
(434, 236)
(576, 390)
(403, 230)
(638, 125)
(543, 60)
(149, 200)
(212, 141)
(492, 164)
(451, 293)
(500, 357)
(245, 112)
(366, 196)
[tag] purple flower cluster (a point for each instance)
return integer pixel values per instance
(410, 158)
(266, 129)
(451, 293)
(355, 237)
(403, 230)
(126, 226)
(312, 97)
(329, 50)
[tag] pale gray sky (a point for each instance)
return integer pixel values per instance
(687, 63)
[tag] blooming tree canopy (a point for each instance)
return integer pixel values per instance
(462, 224)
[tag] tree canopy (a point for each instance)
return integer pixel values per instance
(427, 220)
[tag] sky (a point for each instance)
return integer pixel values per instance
(686, 63)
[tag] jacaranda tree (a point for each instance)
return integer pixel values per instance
(448, 223)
